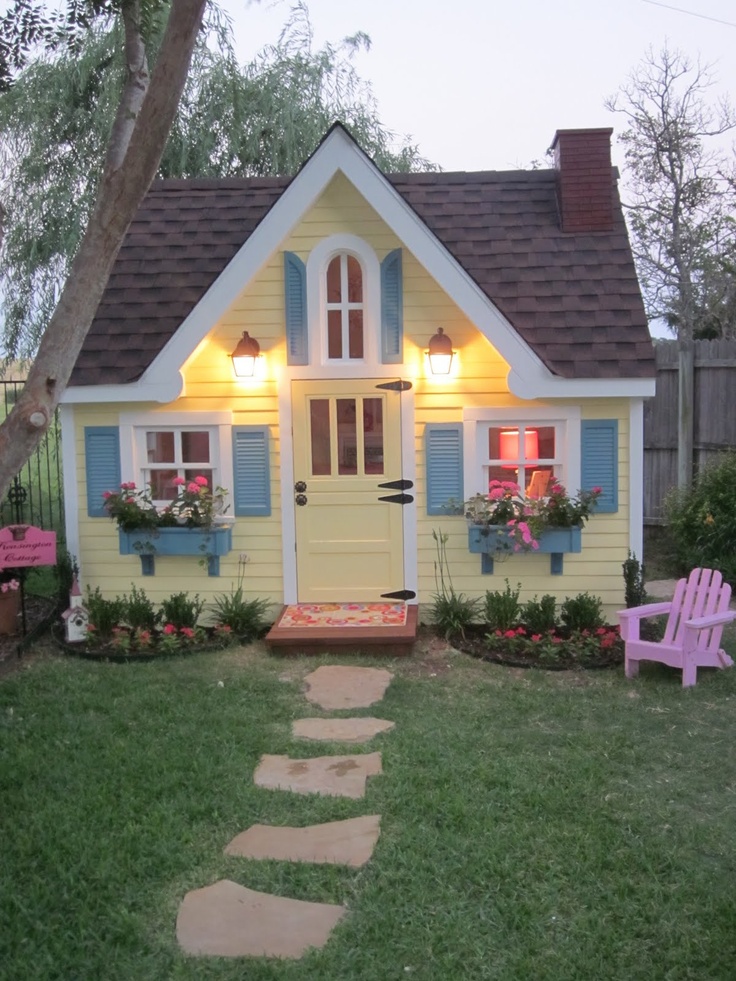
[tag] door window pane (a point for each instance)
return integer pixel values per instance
(319, 430)
(347, 438)
(373, 436)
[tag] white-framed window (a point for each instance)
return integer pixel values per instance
(344, 308)
(175, 452)
(529, 446)
(344, 304)
(156, 448)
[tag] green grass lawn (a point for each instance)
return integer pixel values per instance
(534, 825)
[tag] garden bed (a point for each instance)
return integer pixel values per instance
(119, 652)
(554, 652)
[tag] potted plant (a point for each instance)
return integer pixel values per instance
(503, 522)
(194, 523)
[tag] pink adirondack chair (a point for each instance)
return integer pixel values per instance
(696, 617)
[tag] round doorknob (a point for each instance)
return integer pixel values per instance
(301, 500)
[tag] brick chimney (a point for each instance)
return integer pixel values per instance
(584, 179)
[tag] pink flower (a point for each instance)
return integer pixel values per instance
(178, 481)
(557, 640)
(498, 633)
(521, 631)
(202, 481)
(144, 635)
(193, 488)
(107, 495)
(496, 494)
(597, 490)
(510, 633)
(224, 628)
(600, 631)
(187, 631)
(169, 629)
(509, 485)
(128, 485)
(536, 637)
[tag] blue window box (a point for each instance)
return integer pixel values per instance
(490, 540)
(206, 543)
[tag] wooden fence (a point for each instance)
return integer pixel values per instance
(714, 417)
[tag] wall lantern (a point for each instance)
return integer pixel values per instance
(245, 356)
(508, 444)
(440, 353)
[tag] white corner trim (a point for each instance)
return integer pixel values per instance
(636, 478)
(70, 483)
(547, 385)
(164, 390)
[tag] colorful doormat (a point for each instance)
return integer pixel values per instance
(343, 615)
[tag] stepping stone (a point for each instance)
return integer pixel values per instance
(228, 920)
(348, 842)
(331, 776)
(358, 730)
(338, 687)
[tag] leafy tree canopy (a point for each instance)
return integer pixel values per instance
(262, 118)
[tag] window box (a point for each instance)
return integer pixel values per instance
(490, 540)
(206, 543)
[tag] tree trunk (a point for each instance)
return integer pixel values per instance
(130, 167)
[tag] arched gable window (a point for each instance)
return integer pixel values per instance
(345, 308)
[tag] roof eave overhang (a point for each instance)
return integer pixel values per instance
(529, 377)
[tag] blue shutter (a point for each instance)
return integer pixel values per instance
(443, 447)
(599, 461)
(251, 471)
(392, 309)
(295, 296)
(102, 464)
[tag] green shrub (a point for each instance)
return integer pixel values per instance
(539, 616)
(582, 612)
(182, 610)
(702, 521)
(502, 609)
(245, 618)
(104, 614)
(140, 613)
(453, 612)
(634, 592)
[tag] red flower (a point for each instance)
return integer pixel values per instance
(187, 631)
(510, 633)
(169, 629)
(202, 481)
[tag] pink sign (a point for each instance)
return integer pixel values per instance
(26, 545)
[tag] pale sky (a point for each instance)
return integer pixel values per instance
(483, 85)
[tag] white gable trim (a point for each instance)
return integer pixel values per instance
(529, 376)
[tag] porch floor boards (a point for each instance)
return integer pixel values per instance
(394, 640)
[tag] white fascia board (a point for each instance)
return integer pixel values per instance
(552, 386)
(163, 391)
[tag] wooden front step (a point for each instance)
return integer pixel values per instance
(392, 641)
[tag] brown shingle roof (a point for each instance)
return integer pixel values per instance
(574, 298)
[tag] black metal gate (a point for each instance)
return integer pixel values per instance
(36, 496)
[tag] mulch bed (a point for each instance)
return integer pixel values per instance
(477, 644)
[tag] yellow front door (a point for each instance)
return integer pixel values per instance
(347, 443)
